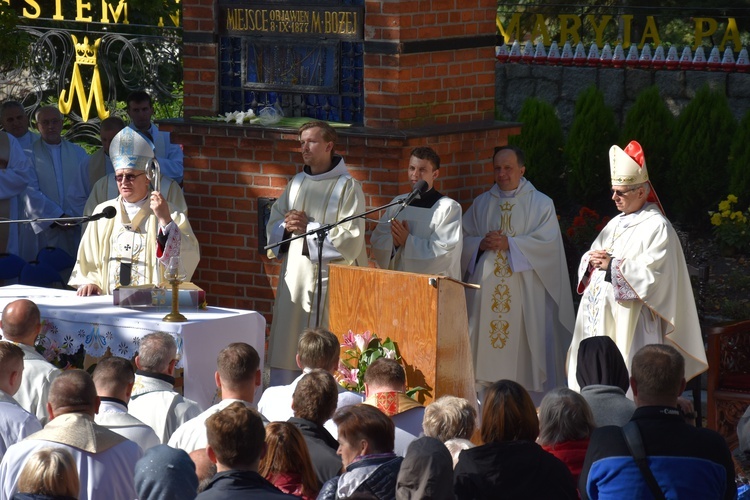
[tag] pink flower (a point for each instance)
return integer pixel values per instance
(363, 341)
(348, 339)
(347, 376)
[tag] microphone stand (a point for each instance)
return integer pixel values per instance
(320, 234)
(63, 221)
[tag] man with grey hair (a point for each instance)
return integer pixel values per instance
(106, 461)
(153, 400)
(114, 377)
(21, 324)
(684, 461)
(134, 247)
(62, 182)
(15, 121)
(634, 282)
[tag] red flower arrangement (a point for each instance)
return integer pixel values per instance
(585, 228)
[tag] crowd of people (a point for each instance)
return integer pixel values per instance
(572, 406)
(124, 432)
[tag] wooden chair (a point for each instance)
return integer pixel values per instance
(728, 377)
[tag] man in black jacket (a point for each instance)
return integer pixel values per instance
(687, 462)
(313, 402)
(236, 442)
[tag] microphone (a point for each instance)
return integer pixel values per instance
(106, 213)
(419, 187)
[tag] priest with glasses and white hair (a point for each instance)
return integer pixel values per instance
(634, 282)
(134, 246)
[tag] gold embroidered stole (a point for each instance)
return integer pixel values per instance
(501, 296)
(129, 247)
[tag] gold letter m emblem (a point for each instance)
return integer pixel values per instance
(86, 55)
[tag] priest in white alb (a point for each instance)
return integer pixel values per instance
(322, 193)
(134, 246)
(425, 237)
(634, 280)
(521, 320)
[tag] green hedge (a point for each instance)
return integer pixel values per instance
(542, 140)
(650, 123)
(592, 133)
(699, 161)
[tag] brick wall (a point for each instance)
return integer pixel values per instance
(227, 167)
(200, 58)
(417, 71)
(429, 80)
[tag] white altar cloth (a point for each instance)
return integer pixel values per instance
(69, 321)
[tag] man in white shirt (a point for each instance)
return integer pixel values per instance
(425, 237)
(15, 422)
(317, 348)
(62, 186)
(237, 376)
(170, 157)
(15, 121)
(21, 324)
(114, 377)
(106, 461)
(153, 399)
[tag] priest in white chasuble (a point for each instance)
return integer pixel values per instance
(133, 247)
(425, 237)
(521, 320)
(634, 282)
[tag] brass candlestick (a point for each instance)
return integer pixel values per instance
(175, 274)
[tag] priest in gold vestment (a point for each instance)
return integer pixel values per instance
(521, 320)
(133, 247)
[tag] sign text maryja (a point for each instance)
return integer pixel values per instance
(570, 27)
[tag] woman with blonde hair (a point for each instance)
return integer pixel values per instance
(49, 474)
(287, 462)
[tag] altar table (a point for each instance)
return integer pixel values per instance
(69, 321)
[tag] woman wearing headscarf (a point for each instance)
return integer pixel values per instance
(603, 377)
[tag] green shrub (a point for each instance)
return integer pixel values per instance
(701, 148)
(542, 140)
(592, 133)
(739, 162)
(650, 123)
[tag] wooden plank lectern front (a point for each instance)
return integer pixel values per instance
(424, 314)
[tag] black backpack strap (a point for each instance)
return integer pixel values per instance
(633, 439)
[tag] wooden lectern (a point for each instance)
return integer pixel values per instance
(424, 314)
